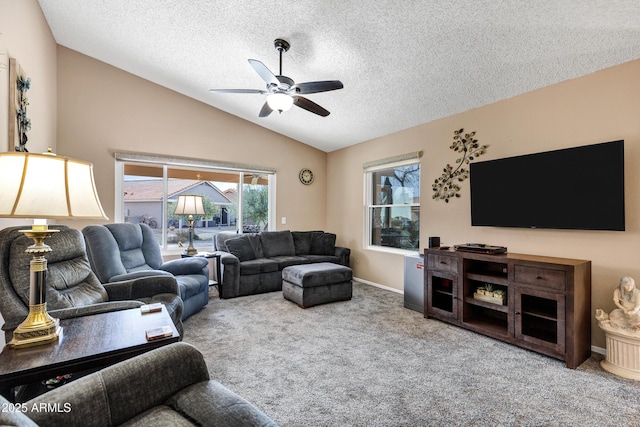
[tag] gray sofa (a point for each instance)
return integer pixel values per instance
(123, 251)
(252, 263)
(169, 386)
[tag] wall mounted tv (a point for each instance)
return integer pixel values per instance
(578, 188)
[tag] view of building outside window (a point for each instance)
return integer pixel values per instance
(394, 207)
(145, 202)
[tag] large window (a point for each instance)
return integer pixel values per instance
(234, 200)
(393, 205)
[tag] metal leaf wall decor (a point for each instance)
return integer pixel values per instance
(446, 185)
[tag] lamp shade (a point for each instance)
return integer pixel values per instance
(47, 186)
(280, 101)
(189, 205)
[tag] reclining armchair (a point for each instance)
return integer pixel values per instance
(168, 386)
(124, 251)
(73, 290)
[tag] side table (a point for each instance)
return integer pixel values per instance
(216, 257)
(88, 342)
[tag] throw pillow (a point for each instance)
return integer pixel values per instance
(277, 243)
(302, 242)
(323, 243)
(241, 247)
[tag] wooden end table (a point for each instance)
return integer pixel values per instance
(88, 342)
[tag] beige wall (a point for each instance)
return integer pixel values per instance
(102, 109)
(600, 107)
(25, 36)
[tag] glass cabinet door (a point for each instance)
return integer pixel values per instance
(442, 294)
(540, 318)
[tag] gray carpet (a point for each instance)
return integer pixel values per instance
(371, 362)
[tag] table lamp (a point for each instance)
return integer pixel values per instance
(190, 205)
(44, 186)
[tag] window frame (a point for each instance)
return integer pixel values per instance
(369, 206)
(124, 158)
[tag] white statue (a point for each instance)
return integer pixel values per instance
(627, 298)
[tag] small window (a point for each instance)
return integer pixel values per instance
(393, 206)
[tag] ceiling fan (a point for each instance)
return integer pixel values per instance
(282, 92)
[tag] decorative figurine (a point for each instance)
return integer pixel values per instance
(622, 331)
(627, 298)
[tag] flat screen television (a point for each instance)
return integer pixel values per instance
(578, 188)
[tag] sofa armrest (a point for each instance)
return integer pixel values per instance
(184, 266)
(230, 275)
(343, 255)
(211, 403)
(120, 392)
(103, 307)
(142, 287)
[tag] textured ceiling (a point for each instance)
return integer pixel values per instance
(402, 63)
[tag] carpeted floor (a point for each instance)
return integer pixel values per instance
(371, 362)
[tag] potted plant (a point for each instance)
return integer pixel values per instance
(499, 293)
(488, 289)
(480, 290)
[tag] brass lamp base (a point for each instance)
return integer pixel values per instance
(191, 250)
(37, 329)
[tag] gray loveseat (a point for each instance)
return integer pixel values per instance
(252, 263)
(169, 386)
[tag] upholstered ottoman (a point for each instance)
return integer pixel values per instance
(312, 284)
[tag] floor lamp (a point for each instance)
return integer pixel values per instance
(191, 205)
(44, 186)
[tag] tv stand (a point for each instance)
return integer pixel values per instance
(542, 304)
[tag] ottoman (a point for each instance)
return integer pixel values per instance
(312, 284)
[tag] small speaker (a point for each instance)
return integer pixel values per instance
(434, 242)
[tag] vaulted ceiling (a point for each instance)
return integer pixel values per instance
(402, 63)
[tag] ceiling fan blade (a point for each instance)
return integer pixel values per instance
(237, 91)
(265, 111)
(264, 72)
(309, 105)
(314, 87)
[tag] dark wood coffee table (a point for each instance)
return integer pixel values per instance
(89, 342)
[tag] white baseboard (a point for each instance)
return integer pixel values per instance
(594, 349)
(377, 285)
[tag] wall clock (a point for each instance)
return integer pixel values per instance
(306, 176)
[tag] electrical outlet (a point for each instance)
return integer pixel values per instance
(284, 220)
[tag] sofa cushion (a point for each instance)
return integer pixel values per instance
(242, 247)
(277, 243)
(286, 261)
(258, 266)
(302, 241)
(313, 259)
(323, 243)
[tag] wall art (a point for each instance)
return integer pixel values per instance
(446, 185)
(19, 123)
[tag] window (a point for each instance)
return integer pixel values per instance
(148, 192)
(393, 205)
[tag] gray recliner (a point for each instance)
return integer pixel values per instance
(168, 386)
(124, 251)
(73, 290)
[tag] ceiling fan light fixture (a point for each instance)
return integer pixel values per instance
(279, 102)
